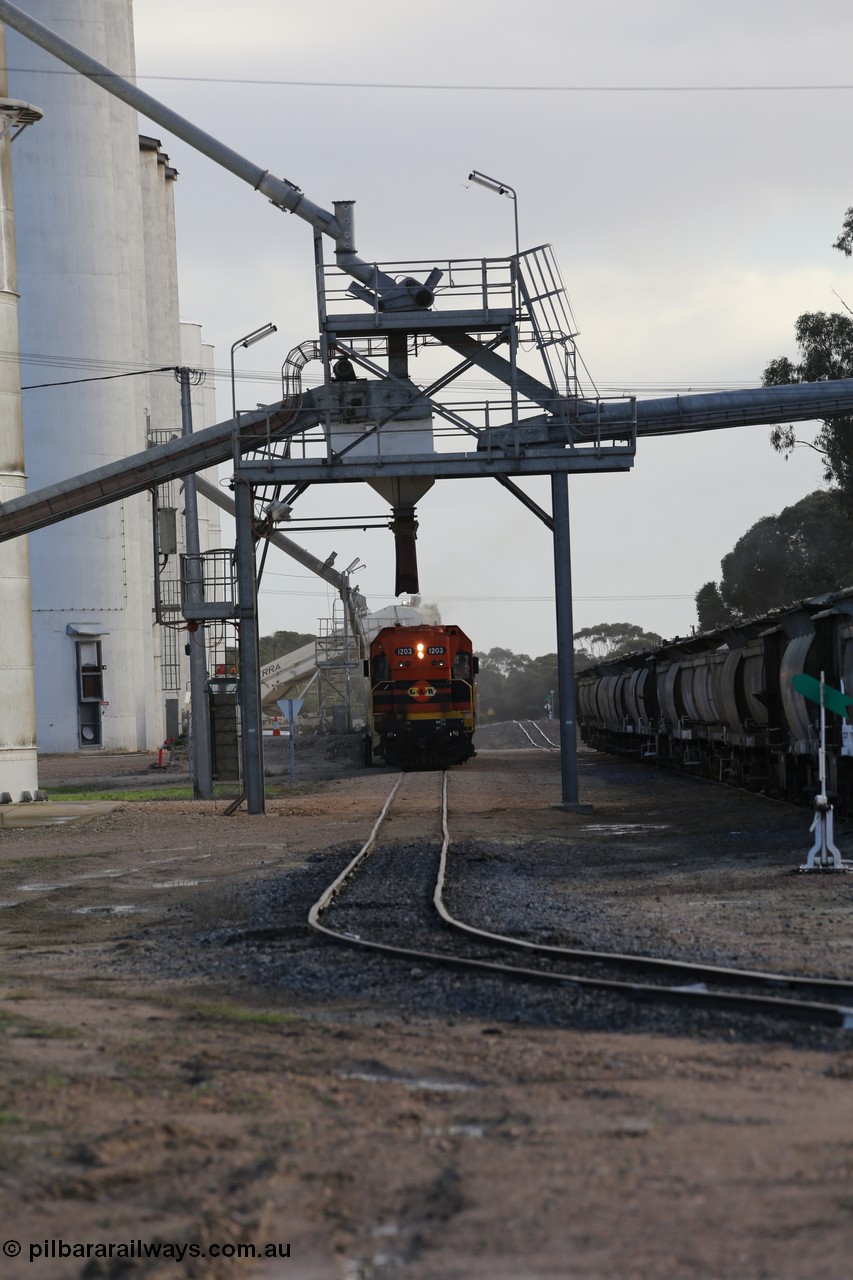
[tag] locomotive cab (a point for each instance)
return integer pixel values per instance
(423, 696)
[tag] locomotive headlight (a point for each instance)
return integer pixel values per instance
(420, 651)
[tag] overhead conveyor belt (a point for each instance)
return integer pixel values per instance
(716, 410)
(179, 457)
(672, 416)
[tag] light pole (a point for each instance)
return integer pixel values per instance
(504, 189)
(248, 340)
(247, 597)
(200, 756)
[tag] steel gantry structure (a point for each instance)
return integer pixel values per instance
(370, 422)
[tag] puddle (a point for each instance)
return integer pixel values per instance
(191, 848)
(108, 874)
(124, 909)
(69, 884)
(437, 1086)
(363, 1269)
(458, 1131)
(44, 888)
(625, 828)
(176, 884)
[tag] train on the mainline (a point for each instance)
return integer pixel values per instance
(723, 704)
(423, 697)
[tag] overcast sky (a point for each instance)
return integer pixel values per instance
(689, 163)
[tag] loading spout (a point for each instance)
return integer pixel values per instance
(404, 526)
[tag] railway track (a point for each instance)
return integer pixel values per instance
(547, 745)
(381, 902)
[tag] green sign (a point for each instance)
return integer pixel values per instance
(833, 699)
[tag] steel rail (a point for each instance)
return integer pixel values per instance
(553, 745)
(698, 972)
(538, 745)
(328, 896)
(694, 993)
(539, 729)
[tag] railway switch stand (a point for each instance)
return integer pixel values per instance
(823, 855)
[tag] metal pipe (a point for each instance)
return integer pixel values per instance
(293, 549)
(720, 409)
(280, 191)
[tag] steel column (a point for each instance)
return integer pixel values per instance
(202, 769)
(250, 667)
(565, 639)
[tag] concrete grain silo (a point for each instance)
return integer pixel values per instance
(197, 354)
(98, 277)
(18, 763)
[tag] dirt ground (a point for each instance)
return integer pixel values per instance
(165, 1092)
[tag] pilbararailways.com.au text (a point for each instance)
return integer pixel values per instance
(59, 1248)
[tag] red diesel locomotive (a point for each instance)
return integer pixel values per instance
(423, 697)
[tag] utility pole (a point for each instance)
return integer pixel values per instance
(200, 762)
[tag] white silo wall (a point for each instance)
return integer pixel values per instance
(196, 354)
(18, 762)
(82, 314)
(161, 286)
(130, 238)
(163, 407)
(212, 513)
(210, 531)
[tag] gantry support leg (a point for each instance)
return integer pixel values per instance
(565, 641)
(250, 677)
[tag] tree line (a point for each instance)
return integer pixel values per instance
(514, 686)
(807, 549)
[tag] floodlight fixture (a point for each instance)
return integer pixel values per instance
(256, 335)
(500, 189)
(491, 184)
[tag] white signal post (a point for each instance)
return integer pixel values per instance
(823, 855)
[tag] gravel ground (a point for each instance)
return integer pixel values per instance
(186, 1062)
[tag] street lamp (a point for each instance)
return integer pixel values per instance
(499, 189)
(248, 341)
(504, 189)
(247, 585)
